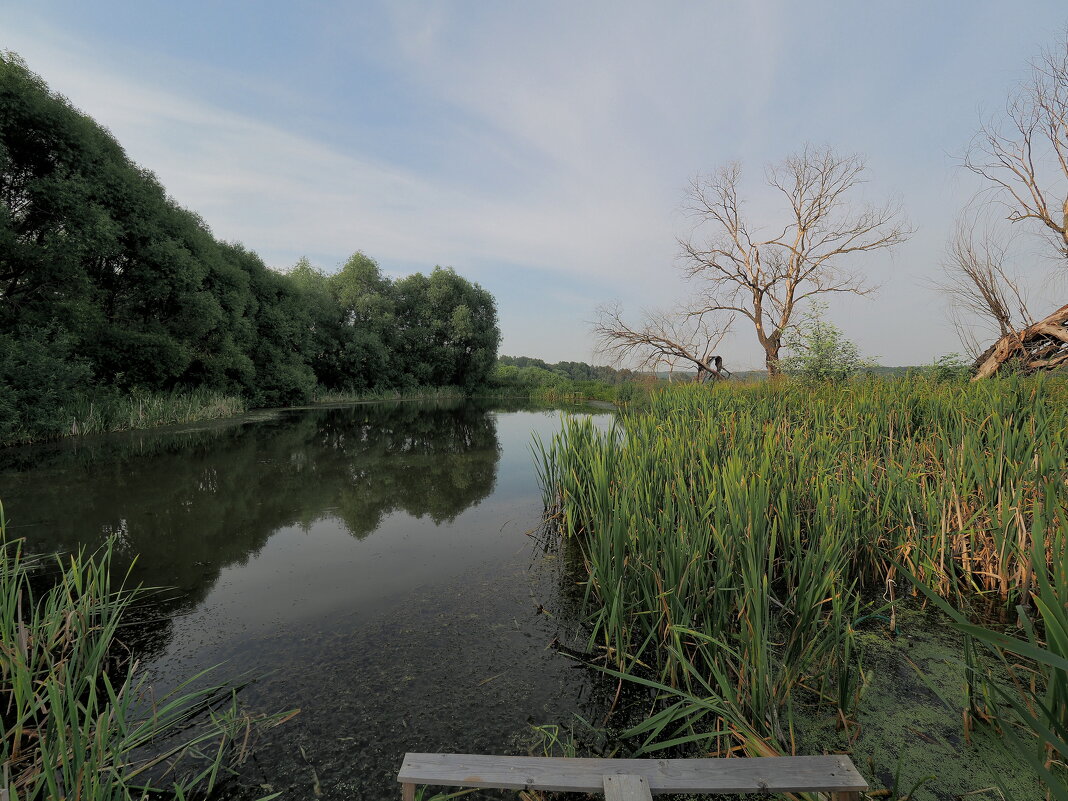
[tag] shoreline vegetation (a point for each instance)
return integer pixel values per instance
(739, 547)
(113, 413)
(143, 411)
(111, 410)
(79, 720)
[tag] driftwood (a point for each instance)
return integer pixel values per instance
(1041, 346)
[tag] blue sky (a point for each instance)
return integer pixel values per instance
(542, 149)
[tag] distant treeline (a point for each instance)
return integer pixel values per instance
(107, 286)
(527, 371)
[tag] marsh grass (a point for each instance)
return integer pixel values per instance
(107, 413)
(734, 537)
(78, 720)
(104, 412)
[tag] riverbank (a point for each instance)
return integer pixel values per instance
(107, 412)
(114, 412)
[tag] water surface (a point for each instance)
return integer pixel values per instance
(373, 560)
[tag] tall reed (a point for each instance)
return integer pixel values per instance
(107, 411)
(77, 720)
(734, 535)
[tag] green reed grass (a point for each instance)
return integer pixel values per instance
(113, 411)
(77, 720)
(734, 536)
(149, 409)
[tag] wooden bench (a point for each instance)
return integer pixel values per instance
(636, 779)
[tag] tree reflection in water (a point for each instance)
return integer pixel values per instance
(191, 503)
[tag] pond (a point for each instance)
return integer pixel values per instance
(373, 563)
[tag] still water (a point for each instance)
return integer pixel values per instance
(372, 563)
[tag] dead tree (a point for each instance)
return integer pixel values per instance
(1024, 160)
(663, 340)
(986, 295)
(1040, 346)
(763, 270)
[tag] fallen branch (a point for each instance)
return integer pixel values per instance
(1041, 346)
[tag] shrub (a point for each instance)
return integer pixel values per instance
(820, 350)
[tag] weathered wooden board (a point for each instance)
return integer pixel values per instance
(626, 787)
(757, 774)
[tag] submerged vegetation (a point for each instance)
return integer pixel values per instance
(737, 540)
(77, 720)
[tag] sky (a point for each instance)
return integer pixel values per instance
(543, 149)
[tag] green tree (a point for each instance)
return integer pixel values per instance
(109, 286)
(367, 305)
(447, 329)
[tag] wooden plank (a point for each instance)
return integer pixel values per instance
(740, 775)
(626, 787)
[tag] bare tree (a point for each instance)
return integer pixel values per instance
(980, 284)
(663, 340)
(1024, 159)
(765, 276)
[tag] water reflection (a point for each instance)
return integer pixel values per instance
(193, 503)
(370, 560)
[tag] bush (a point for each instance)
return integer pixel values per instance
(821, 352)
(951, 367)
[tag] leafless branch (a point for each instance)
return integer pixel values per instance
(979, 285)
(1024, 157)
(661, 339)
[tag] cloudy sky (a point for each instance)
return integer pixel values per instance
(543, 149)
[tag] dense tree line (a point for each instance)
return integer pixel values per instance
(106, 284)
(526, 370)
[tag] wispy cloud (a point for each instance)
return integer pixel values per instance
(284, 193)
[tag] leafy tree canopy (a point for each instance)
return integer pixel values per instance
(106, 285)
